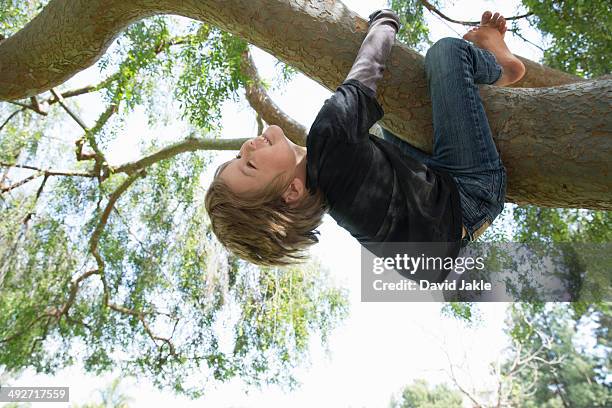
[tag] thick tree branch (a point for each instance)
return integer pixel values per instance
(264, 105)
(25, 74)
(542, 134)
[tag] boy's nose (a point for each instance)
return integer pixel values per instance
(253, 142)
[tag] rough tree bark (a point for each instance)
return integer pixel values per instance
(554, 138)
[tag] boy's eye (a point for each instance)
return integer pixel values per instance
(248, 163)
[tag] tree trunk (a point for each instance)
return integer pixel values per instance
(555, 142)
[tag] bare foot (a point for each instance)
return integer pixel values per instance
(490, 36)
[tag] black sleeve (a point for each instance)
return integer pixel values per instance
(348, 114)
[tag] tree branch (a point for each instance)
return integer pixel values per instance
(11, 116)
(141, 317)
(48, 172)
(433, 9)
(188, 145)
(19, 183)
(28, 217)
(456, 382)
(112, 199)
(39, 172)
(25, 329)
(73, 115)
(55, 313)
(263, 104)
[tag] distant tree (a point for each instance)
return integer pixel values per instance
(111, 397)
(420, 395)
(582, 379)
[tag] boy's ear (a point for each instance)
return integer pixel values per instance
(294, 191)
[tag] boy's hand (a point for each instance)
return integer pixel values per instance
(384, 16)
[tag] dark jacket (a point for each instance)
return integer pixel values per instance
(375, 191)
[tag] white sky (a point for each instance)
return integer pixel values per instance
(381, 346)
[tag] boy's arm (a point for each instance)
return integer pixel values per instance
(369, 64)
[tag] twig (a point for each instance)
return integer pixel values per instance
(54, 312)
(20, 183)
(49, 172)
(431, 8)
(141, 317)
(74, 288)
(28, 217)
(11, 117)
(95, 237)
(516, 32)
(73, 115)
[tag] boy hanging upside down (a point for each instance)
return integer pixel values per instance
(265, 204)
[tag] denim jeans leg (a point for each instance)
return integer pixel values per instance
(463, 143)
(407, 148)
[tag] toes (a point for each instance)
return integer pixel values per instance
(504, 29)
(486, 16)
(493, 21)
(501, 23)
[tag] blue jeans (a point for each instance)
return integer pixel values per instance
(463, 145)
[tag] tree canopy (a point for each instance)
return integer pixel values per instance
(116, 266)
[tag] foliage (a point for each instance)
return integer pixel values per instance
(413, 31)
(582, 379)
(580, 33)
(460, 310)
(16, 13)
(161, 291)
(211, 75)
(146, 290)
(111, 396)
(420, 395)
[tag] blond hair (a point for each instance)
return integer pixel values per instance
(261, 227)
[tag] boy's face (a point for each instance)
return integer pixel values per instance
(259, 161)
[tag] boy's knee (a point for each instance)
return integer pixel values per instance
(443, 48)
(441, 54)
